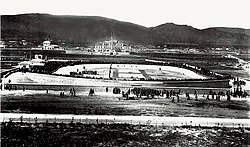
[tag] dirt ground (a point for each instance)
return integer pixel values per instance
(77, 134)
(109, 104)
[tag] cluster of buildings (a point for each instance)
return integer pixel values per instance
(110, 47)
(107, 47)
(14, 44)
(25, 44)
(48, 46)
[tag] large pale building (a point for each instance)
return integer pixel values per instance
(106, 47)
(110, 47)
(48, 46)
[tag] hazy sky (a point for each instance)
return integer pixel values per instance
(197, 13)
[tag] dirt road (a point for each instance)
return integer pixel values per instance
(149, 120)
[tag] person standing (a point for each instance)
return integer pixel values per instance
(196, 95)
(207, 97)
(228, 96)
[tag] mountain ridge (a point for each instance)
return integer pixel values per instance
(90, 29)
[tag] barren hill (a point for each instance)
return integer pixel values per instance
(83, 30)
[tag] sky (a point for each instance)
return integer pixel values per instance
(197, 13)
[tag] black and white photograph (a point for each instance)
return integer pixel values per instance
(85, 73)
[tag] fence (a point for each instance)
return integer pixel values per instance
(133, 120)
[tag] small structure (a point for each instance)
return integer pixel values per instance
(48, 46)
(38, 61)
(24, 64)
(2, 44)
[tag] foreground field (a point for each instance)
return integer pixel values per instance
(110, 104)
(77, 134)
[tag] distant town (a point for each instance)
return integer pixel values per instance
(114, 47)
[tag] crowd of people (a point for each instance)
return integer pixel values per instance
(175, 94)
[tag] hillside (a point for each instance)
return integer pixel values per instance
(172, 33)
(234, 30)
(83, 30)
(74, 29)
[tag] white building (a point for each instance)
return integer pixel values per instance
(2, 44)
(106, 47)
(111, 47)
(48, 46)
(37, 61)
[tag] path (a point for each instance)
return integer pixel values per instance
(150, 120)
(145, 74)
